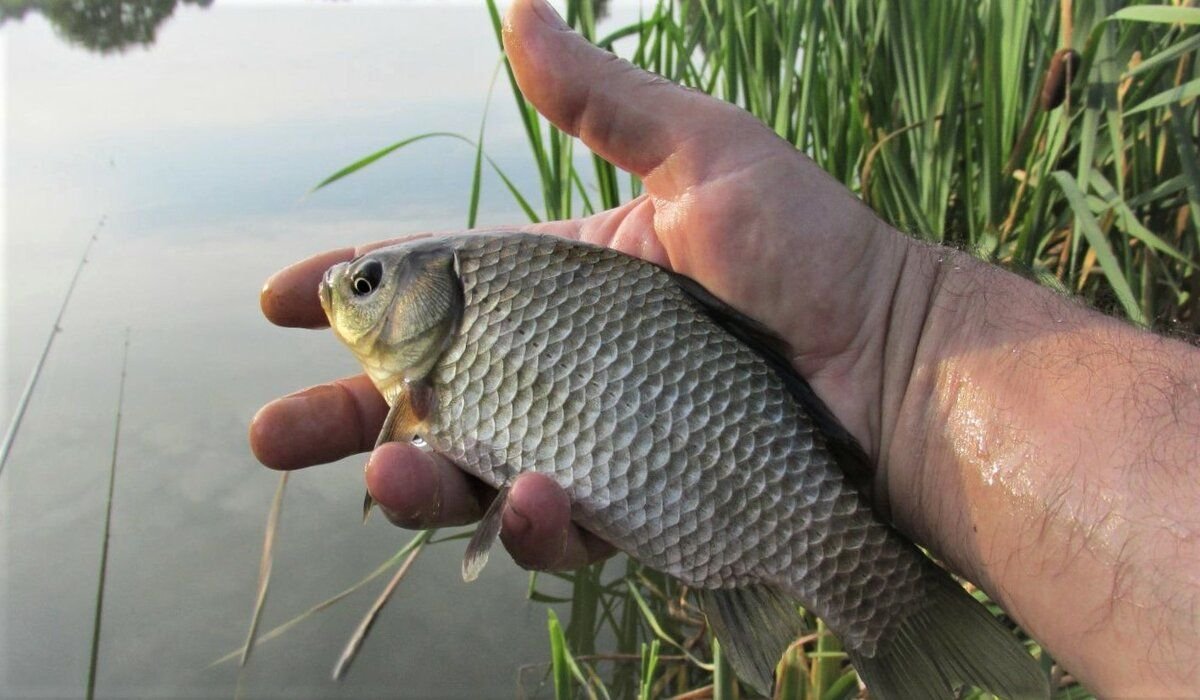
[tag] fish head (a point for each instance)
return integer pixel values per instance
(396, 308)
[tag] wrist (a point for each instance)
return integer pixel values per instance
(1038, 449)
(939, 334)
(984, 422)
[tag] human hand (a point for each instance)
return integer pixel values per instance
(727, 203)
(975, 393)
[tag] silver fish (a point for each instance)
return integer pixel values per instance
(681, 435)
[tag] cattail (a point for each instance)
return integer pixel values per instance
(1064, 64)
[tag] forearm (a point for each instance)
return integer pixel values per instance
(1051, 453)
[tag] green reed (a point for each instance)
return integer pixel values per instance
(962, 123)
(939, 115)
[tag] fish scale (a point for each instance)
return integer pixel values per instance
(680, 435)
(698, 423)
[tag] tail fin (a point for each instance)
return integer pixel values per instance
(950, 641)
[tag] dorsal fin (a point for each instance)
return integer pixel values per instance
(845, 447)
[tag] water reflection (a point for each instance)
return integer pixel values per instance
(103, 26)
(108, 26)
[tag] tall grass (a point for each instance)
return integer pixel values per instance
(1055, 137)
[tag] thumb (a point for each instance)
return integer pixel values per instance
(671, 137)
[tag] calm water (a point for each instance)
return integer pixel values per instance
(191, 160)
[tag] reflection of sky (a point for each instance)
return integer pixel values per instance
(198, 153)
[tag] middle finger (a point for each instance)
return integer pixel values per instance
(320, 424)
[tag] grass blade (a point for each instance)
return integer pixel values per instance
(364, 162)
(1087, 223)
(652, 621)
(563, 665)
(1164, 56)
(1189, 162)
(792, 681)
(368, 621)
(842, 686)
(560, 668)
(826, 662)
(649, 666)
(1161, 14)
(264, 566)
(477, 169)
(529, 118)
(1180, 94)
(508, 183)
(420, 538)
(724, 681)
(1131, 224)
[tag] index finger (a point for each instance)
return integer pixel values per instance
(283, 298)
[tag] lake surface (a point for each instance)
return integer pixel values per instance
(191, 160)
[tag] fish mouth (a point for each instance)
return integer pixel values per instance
(325, 293)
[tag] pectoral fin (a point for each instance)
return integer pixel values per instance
(405, 420)
(484, 537)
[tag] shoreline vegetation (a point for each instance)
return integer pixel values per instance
(1064, 147)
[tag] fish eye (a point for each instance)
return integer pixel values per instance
(366, 278)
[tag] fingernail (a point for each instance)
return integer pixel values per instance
(312, 392)
(516, 524)
(301, 407)
(395, 518)
(548, 15)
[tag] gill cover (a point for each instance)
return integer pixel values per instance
(396, 308)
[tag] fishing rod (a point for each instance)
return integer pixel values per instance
(23, 402)
(112, 480)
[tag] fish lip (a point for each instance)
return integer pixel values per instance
(325, 293)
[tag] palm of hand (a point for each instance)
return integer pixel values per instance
(734, 219)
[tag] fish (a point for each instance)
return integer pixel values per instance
(682, 436)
